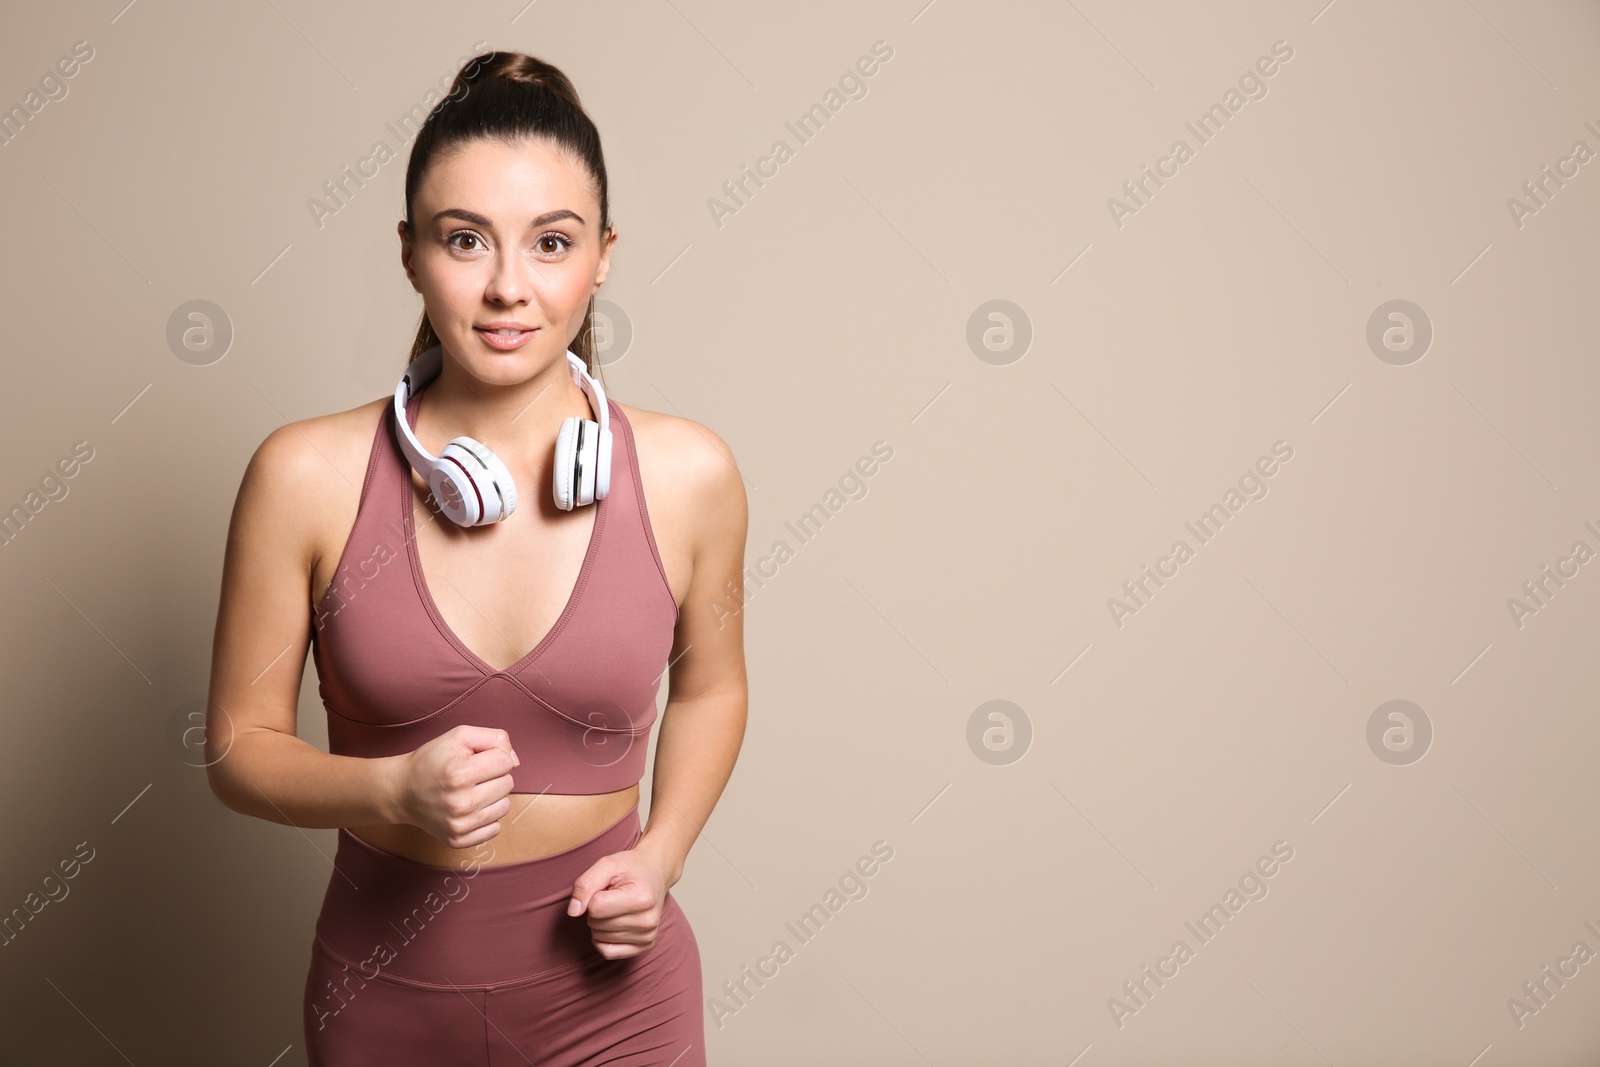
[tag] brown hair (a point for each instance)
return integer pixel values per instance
(510, 96)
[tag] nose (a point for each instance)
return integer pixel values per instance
(512, 279)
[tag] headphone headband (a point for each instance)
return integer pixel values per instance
(472, 485)
(426, 367)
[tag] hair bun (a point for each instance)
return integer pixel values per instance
(523, 69)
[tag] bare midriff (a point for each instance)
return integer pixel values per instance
(537, 825)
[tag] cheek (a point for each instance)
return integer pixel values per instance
(449, 286)
(575, 281)
(571, 291)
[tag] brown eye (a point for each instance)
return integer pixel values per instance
(466, 235)
(565, 243)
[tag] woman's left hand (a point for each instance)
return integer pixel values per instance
(622, 894)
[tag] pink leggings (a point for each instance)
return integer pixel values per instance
(481, 965)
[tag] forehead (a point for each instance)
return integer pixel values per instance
(509, 183)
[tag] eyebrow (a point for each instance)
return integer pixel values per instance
(478, 220)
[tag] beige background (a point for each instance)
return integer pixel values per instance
(1160, 759)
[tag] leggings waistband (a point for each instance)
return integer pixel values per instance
(388, 917)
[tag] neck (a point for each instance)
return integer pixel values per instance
(519, 422)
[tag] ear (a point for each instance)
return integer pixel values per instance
(605, 258)
(405, 255)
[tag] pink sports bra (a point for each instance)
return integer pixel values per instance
(579, 706)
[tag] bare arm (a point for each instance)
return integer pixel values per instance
(254, 762)
(703, 725)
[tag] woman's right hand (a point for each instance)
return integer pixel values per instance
(458, 785)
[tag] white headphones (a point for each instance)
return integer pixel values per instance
(470, 483)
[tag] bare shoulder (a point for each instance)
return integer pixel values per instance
(687, 455)
(320, 450)
(307, 474)
(695, 496)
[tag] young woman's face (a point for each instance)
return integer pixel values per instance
(506, 233)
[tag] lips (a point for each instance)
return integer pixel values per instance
(505, 342)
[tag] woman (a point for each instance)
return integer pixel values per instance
(490, 672)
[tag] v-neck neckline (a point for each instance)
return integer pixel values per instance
(426, 594)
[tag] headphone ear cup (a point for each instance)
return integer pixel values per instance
(486, 490)
(566, 465)
(602, 468)
(584, 484)
(453, 491)
(492, 477)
